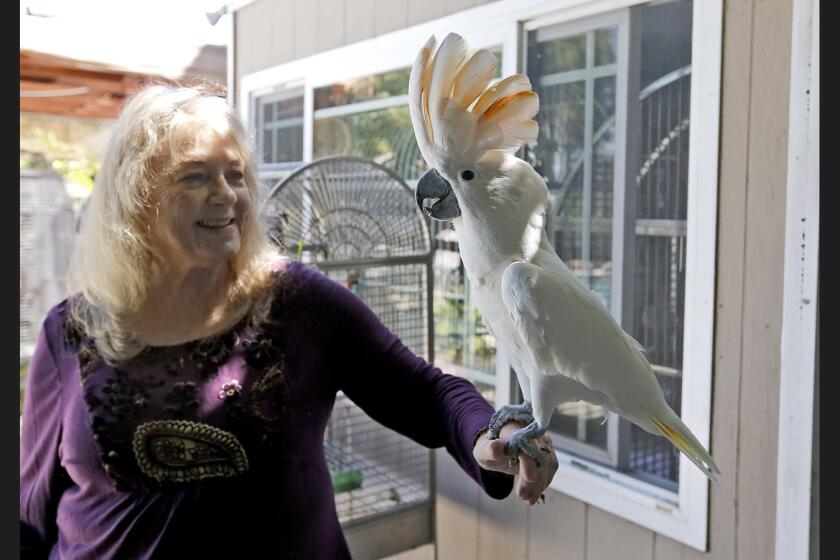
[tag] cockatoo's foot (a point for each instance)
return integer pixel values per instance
(524, 439)
(521, 412)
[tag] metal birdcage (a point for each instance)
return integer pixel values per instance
(357, 222)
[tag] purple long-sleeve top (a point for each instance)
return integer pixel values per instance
(214, 448)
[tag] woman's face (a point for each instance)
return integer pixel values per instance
(202, 205)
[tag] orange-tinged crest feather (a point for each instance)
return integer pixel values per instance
(500, 104)
(473, 77)
(507, 86)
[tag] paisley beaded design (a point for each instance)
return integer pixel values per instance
(181, 451)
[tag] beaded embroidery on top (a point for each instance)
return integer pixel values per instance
(143, 457)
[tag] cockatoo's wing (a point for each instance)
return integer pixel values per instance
(568, 331)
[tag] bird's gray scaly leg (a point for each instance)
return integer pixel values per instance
(522, 413)
(524, 439)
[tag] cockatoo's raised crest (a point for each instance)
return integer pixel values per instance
(456, 113)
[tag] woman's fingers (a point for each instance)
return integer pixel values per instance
(490, 454)
(531, 481)
(528, 470)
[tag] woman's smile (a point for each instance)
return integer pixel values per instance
(221, 223)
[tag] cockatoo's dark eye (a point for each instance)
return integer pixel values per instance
(467, 175)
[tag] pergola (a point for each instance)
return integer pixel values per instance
(60, 86)
(84, 83)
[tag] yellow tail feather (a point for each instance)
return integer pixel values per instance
(690, 447)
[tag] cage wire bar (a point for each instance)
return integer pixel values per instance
(357, 222)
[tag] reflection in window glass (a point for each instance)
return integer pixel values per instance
(605, 46)
(367, 88)
(383, 135)
(556, 55)
(576, 78)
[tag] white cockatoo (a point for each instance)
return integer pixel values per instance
(563, 343)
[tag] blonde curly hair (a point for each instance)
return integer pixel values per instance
(112, 266)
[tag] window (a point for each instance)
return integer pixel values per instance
(279, 126)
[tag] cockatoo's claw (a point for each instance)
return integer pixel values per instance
(531, 450)
(523, 440)
(522, 412)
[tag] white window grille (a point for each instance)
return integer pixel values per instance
(279, 126)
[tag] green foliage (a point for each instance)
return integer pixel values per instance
(80, 171)
(50, 144)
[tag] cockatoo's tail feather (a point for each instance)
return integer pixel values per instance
(455, 111)
(679, 434)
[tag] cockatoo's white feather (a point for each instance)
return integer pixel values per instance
(562, 340)
(418, 102)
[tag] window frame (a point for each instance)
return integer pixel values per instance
(682, 516)
(259, 101)
(250, 113)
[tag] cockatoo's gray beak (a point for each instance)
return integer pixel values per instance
(436, 197)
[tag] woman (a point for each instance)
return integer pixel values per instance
(177, 403)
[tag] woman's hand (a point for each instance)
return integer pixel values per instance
(530, 481)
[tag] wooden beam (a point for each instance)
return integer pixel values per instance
(108, 88)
